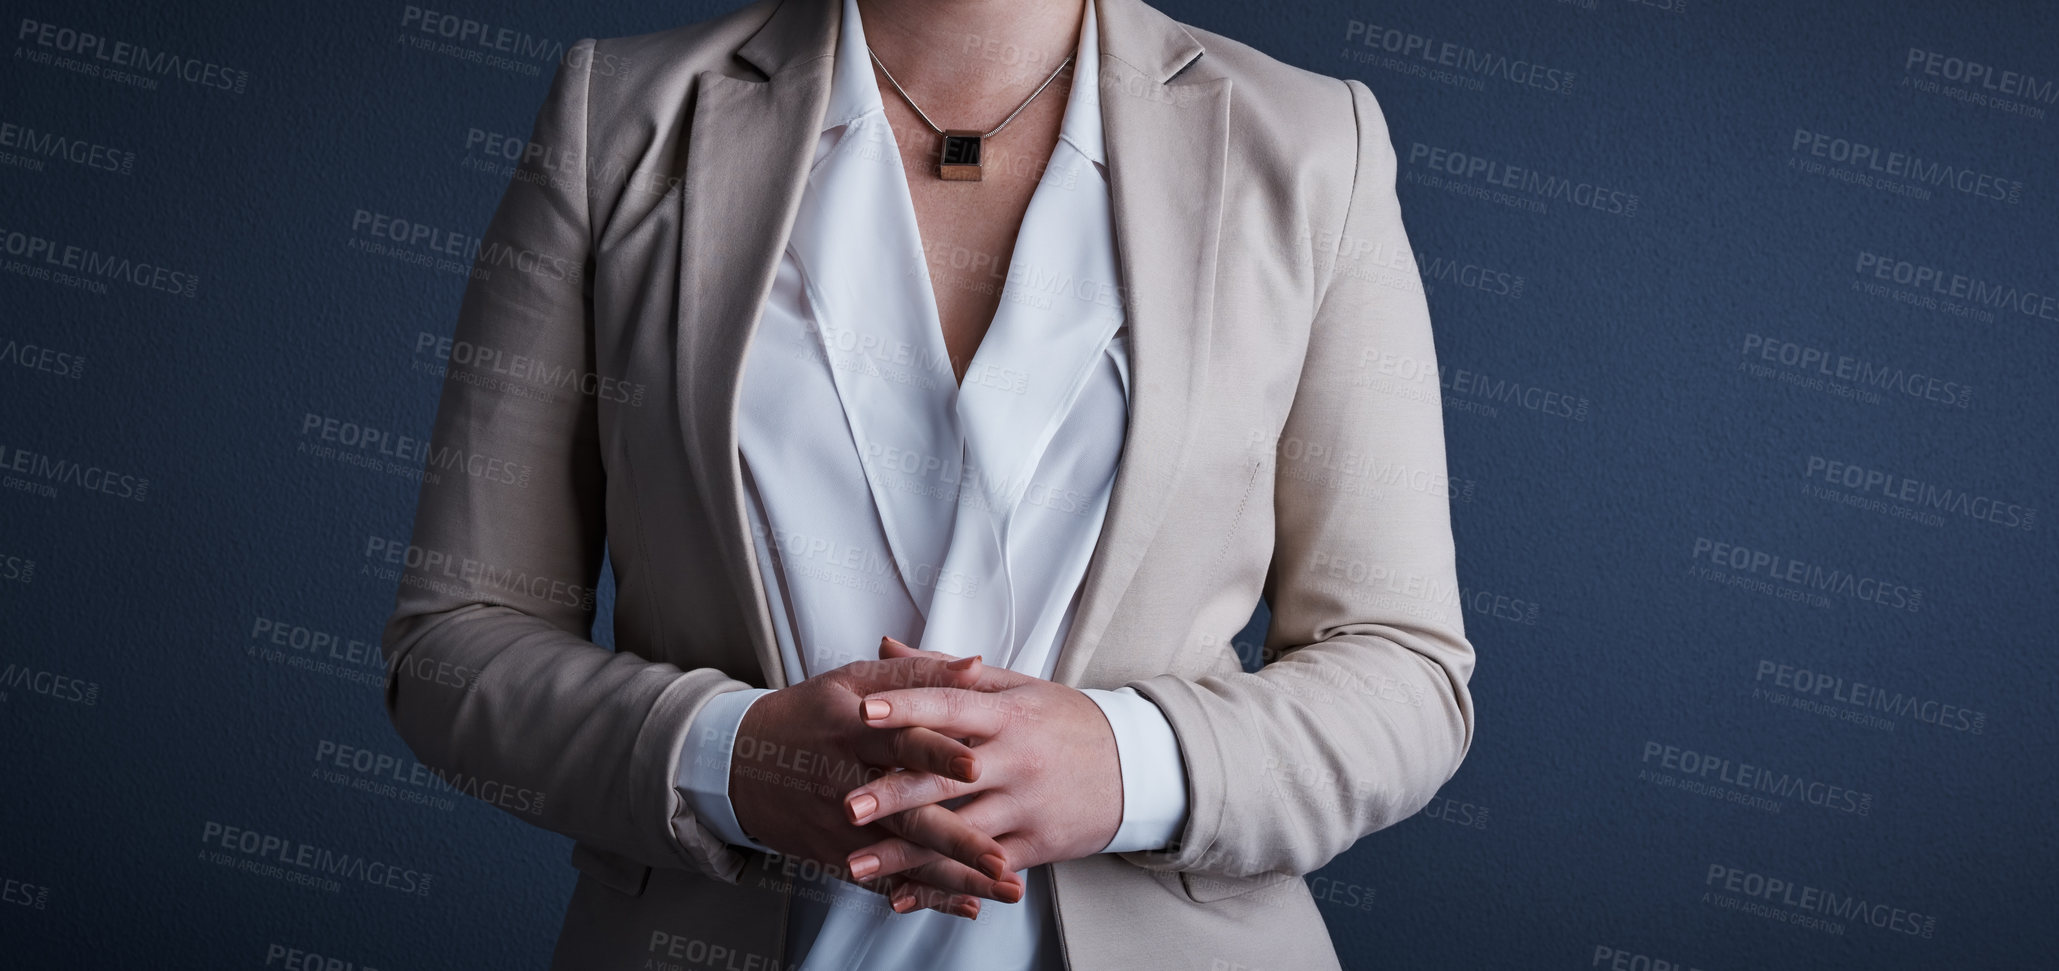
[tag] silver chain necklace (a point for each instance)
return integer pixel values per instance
(959, 157)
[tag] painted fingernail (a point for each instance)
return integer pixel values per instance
(861, 806)
(965, 769)
(968, 909)
(993, 865)
(875, 709)
(863, 866)
(964, 663)
(903, 902)
(1008, 893)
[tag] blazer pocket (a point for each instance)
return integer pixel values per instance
(613, 869)
(1207, 888)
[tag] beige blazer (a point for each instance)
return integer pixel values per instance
(1285, 440)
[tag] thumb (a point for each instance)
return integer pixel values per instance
(890, 649)
(975, 675)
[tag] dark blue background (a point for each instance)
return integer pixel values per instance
(1576, 536)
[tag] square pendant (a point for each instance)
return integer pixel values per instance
(958, 161)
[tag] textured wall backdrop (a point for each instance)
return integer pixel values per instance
(1746, 315)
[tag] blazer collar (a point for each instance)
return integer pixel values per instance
(798, 31)
(751, 143)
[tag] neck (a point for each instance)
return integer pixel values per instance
(972, 52)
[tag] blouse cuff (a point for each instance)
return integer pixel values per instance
(703, 777)
(1154, 778)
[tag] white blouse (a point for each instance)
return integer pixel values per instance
(954, 518)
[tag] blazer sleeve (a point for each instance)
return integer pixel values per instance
(491, 677)
(1365, 713)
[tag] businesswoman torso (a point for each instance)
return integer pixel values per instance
(1282, 414)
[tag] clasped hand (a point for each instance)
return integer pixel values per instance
(858, 765)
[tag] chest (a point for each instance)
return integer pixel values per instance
(969, 228)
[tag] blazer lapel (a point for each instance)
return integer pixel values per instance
(749, 148)
(1167, 145)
